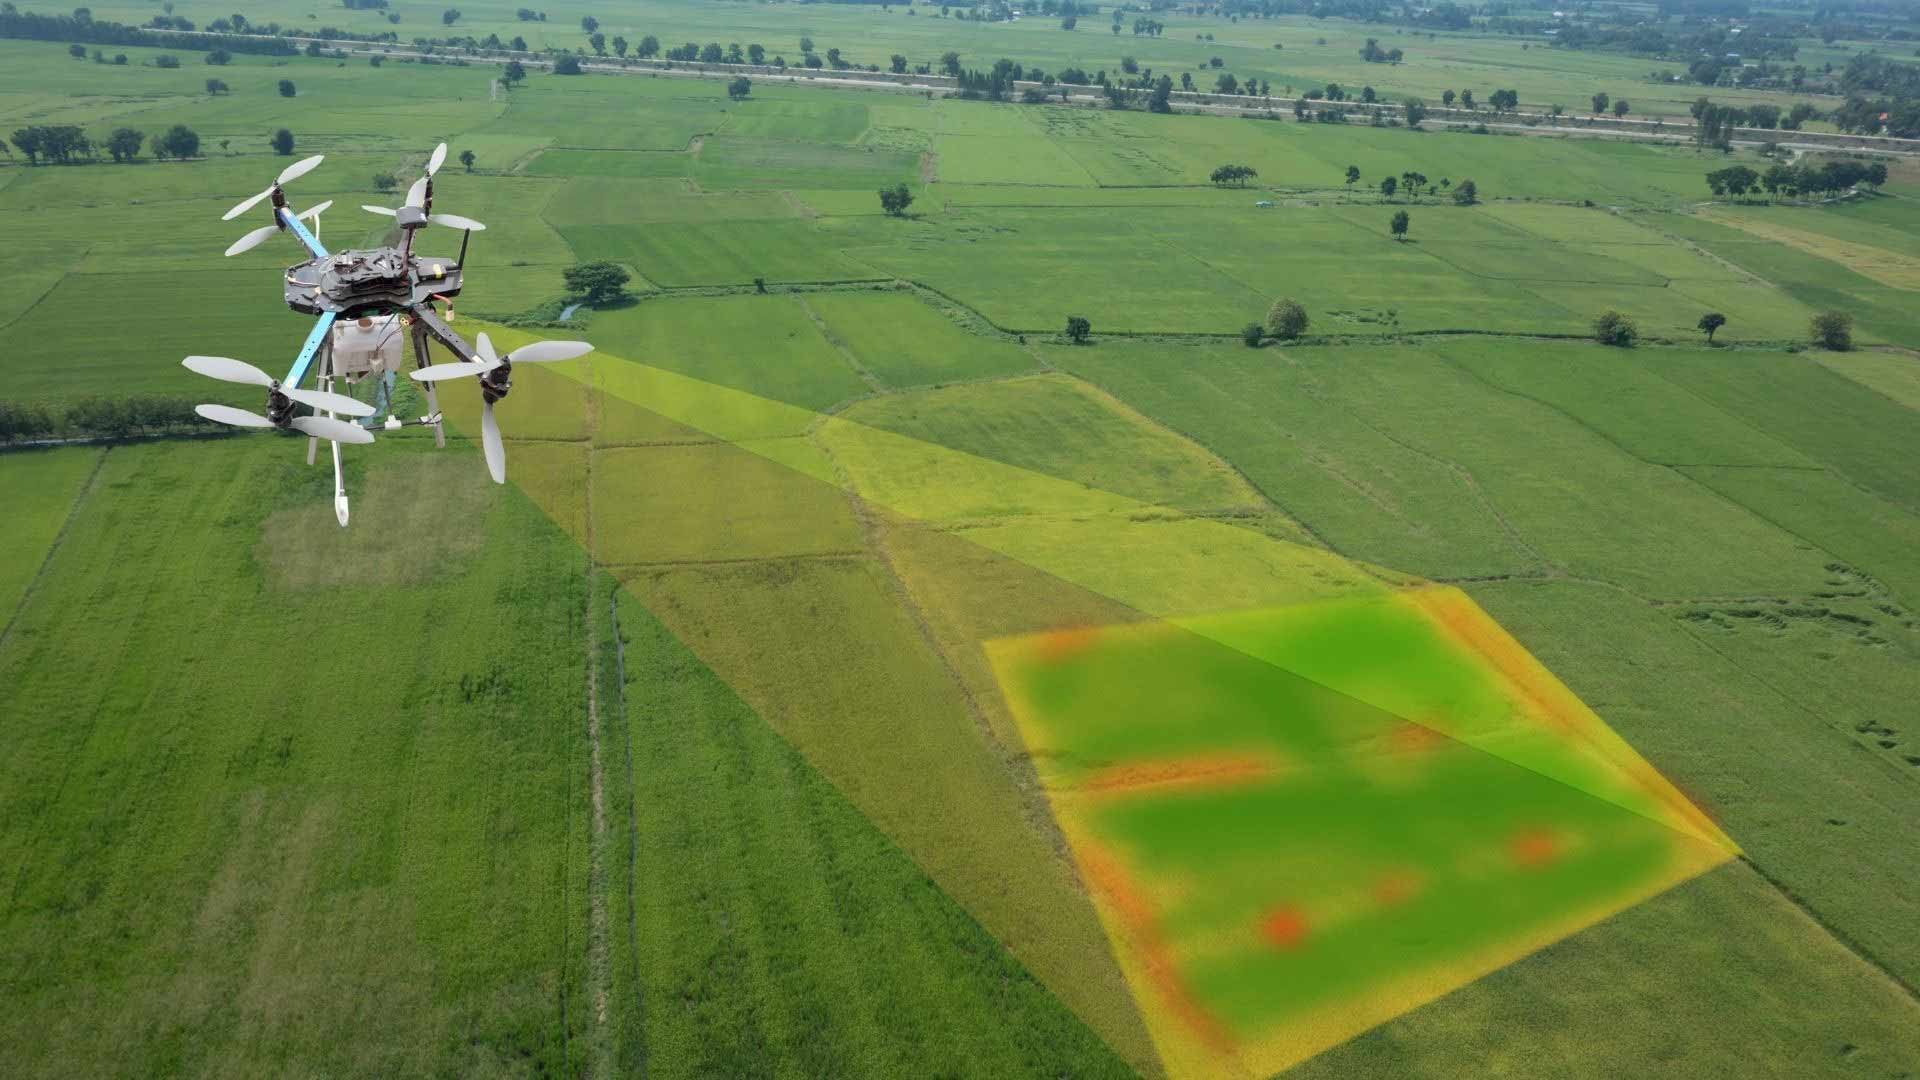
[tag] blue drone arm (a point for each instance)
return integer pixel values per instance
(301, 363)
(312, 243)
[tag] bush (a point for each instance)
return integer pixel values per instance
(1832, 330)
(1615, 329)
(1286, 320)
(599, 282)
(1251, 334)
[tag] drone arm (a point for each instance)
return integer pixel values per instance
(443, 333)
(291, 221)
(315, 339)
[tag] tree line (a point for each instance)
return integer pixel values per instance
(99, 417)
(66, 144)
(1825, 179)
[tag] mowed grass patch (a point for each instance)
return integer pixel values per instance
(39, 489)
(169, 878)
(765, 345)
(1025, 159)
(1623, 398)
(814, 118)
(1834, 420)
(119, 334)
(780, 921)
(1895, 375)
(1869, 249)
(732, 162)
(1359, 487)
(611, 113)
(825, 653)
(712, 502)
(1061, 427)
(1565, 490)
(1859, 528)
(905, 342)
(613, 164)
(716, 252)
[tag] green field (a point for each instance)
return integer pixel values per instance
(694, 751)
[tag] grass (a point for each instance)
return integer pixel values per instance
(903, 342)
(41, 490)
(237, 731)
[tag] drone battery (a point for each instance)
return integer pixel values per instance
(368, 345)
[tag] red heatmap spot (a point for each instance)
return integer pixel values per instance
(1061, 644)
(1285, 927)
(1534, 848)
(1396, 888)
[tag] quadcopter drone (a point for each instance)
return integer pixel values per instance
(384, 282)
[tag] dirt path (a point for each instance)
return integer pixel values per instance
(601, 1059)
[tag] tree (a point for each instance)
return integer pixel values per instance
(897, 64)
(598, 43)
(385, 181)
(467, 158)
(450, 16)
(1620, 107)
(710, 53)
(950, 64)
(1877, 174)
(1466, 194)
(806, 46)
(282, 142)
(1237, 175)
(648, 48)
(1353, 177)
(597, 282)
(895, 200)
(619, 46)
(216, 87)
(739, 88)
(513, 72)
(1077, 329)
(757, 55)
(1832, 330)
(1600, 102)
(124, 143)
(1399, 225)
(1286, 319)
(1416, 111)
(1446, 98)
(180, 141)
(567, 65)
(1251, 334)
(1412, 182)
(286, 88)
(219, 58)
(1388, 185)
(588, 24)
(1710, 322)
(1613, 328)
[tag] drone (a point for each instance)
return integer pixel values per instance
(384, 283)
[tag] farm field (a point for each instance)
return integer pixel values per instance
(857, 675)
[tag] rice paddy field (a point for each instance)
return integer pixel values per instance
(859, 677)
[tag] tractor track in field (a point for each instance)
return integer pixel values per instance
(600, 1060)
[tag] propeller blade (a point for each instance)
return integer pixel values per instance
(455, 221)
(496, 450)
(541, 352)
(315, 211)
(449, 371)
(378, 210)
(331, 402)
(299, 169)
(252, 240)
(438, 159)
(227, 414)
(485, 348)
(417, 194)
(226, 370)
(339, 431)
(245, 205)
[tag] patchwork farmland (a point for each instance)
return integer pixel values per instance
(974, 637)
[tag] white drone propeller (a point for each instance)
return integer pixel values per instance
(312, 213)
(540, 352)
(252, 240)
(287, 176)
(322, 427)
(417, 198)
(239, 371)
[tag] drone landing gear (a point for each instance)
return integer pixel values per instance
(420, 360)
(313, 442)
